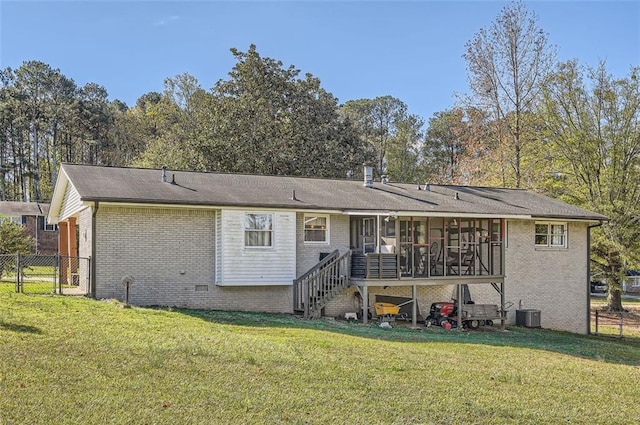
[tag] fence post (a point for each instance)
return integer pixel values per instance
(56, 276)
(18, 273)
(596, 322)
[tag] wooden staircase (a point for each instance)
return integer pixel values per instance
(323, 282)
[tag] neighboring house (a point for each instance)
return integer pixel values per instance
(238, 242)
(32, 216)
(631, 282)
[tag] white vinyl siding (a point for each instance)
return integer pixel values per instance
(71, 203)
(248, 266)
(219, 252)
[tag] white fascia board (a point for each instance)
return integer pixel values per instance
(566, 219)
(317, 211)
(438, 214)
(59, 190)
(209, 207)
(150, 205)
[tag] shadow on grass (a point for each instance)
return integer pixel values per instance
(20, 328)
(626, 351)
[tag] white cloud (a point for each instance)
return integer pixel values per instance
(166, 21)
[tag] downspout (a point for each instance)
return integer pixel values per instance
(92, 263)
(589, 274)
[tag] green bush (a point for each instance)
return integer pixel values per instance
(13, 240)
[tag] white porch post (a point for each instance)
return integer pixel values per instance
(378, 234)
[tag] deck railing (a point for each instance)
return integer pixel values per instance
(314, 289)
(375, 266)
(385, 266)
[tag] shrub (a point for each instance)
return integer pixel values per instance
(13, 240)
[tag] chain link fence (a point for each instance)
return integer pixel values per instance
(45, 274)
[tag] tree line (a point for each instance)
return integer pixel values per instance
(265, 118)
(561, 128)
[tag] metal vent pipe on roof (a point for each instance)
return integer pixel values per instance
(164, 174)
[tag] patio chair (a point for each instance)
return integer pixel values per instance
(463, 264)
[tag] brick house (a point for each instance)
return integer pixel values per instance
(32, 216)
(246, 242)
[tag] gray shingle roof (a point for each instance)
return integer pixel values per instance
(15, 208)
(110, 184)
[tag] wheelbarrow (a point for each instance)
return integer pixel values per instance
(387, 312)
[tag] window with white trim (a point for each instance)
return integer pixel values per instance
(43, 225)
(551, 234)
(258, 230)
(316, 228)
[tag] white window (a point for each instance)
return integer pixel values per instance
(258, 230)
(550, 234)
(316, 228)
(50, 227)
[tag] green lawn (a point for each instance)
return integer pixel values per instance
(609, 322)
(626, 302)
(30, 287)
(76, 360)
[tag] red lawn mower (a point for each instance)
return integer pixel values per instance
(445, 314)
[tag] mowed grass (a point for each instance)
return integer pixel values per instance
(76, 360)
(609, 322)
(631, 303)
(29, 287)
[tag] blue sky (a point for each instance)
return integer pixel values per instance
(358, 49)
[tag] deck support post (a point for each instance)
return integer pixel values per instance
(414, 307)
(365, 304)
(460, 304)
(502, 312)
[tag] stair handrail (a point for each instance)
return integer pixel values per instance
(307, 283)
(326, 260)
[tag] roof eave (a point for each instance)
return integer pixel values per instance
(58, 196)
(585, 218)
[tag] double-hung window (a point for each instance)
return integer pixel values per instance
(316, 228)
(258, 230)
(551, 235)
